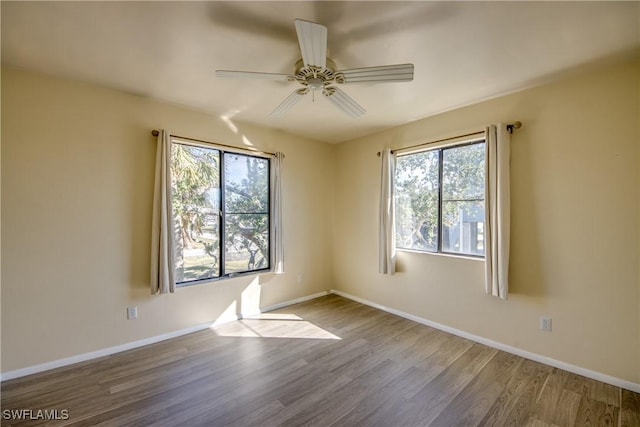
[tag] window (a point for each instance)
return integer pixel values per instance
(440, 200)
(221, 209)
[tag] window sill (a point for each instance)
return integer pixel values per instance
(219, 279)
(441, 254)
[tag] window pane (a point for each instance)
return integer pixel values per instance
(246, 242)
(246, 184)
(196, 193)
(416, 186)
(247, 213)
(463, 172)
(463, 227)
(463, 199)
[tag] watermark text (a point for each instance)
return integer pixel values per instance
(35, 414)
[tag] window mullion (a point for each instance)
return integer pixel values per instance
(440, 174)
(223, 216)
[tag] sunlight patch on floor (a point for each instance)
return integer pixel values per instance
(276, 316)
(268, 325)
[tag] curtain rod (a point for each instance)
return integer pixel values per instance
(155, 132)
(510, 128)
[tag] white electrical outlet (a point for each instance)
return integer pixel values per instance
(132, 313)
(545, 324)
(300, 278)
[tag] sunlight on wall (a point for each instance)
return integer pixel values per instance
(246, 141)
(228, 315)
(227, 119)
(250, 299)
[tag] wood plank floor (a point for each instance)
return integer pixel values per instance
(326, 362)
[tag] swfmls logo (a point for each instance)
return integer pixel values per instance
(35, 414)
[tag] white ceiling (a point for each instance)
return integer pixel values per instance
(463, 52)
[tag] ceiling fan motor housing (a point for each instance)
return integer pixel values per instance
(313, 77)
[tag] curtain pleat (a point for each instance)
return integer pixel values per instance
(276, 229)
(162, 233)
(387, 236)
(497, 211)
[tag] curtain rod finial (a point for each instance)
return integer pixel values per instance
(514, 125)
(155, 132)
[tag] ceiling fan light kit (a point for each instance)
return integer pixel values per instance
(316, 72)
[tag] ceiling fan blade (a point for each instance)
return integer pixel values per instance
(344, 102)
(231, 74)
(382, 74)
(289, 102)
(312, 38)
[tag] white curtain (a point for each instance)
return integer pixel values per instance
(162, 233)
(497, 210)
(276, 228)
(387, 261)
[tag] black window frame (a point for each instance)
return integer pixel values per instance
(223, 151)
(439, 242)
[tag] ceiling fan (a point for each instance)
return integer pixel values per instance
(316, 72)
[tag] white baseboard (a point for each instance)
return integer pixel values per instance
(29, 370)
(628, 385)
(294, 301)
(494, 344)
(99, 353)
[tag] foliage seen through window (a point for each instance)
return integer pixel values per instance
(440, 200)
(221, 212)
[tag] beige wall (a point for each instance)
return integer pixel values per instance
(77, 183)
(77, 177)
(575, 225)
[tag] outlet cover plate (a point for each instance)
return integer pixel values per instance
(545, 324)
